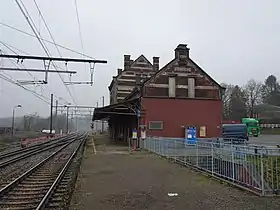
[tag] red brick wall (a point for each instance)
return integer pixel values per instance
(176, 113)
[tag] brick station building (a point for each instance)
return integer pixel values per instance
(163, 101)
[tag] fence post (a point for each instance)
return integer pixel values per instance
(160, 147)
(185, 153)
(144, 143)
(157, 149)
(156, 146)
(175, 156)
(212, 157)
(163, 147)
(262, 174)
(233, 164)
(196, 144)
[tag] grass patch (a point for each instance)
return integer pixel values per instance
(271, 169)
(271, 131)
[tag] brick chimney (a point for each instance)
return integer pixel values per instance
(182, 51)
(155, 63)
(119, 71)
(127, 62)
(182, 54)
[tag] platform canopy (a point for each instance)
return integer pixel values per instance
(128, 107)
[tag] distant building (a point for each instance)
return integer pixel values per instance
(179, 95)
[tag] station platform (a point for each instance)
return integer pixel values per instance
(114, 178)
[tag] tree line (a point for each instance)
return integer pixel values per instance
(33, 122)
(256, 99)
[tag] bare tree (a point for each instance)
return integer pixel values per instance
(237, 105)
(226, 98)
(253, 95)
(29, 121)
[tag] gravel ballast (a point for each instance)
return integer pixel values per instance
(115, 179)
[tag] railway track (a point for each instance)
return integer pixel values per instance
(45, 184)
(9, 158)
(4, 155)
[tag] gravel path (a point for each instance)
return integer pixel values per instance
(114, 179)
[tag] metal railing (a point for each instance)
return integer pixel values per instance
(253, 167)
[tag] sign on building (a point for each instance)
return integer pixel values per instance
(190, 135)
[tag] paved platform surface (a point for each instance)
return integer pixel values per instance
(114, 179)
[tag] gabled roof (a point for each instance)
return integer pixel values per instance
(111, 84)
(134, 62)
(143, 58)
(197, 66)
(207, 74)
(158, 72)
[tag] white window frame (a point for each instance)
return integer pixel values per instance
(161, 122)
(191, 87)
(172, 87)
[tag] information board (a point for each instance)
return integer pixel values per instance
(190, 135)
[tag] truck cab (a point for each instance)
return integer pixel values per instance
(253, 127)
(235, 132)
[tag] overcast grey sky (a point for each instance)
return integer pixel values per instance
(232, 40)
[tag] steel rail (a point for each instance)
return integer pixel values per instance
(15, 181)
(47, 196)
(39, 150)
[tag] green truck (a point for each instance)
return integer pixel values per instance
(253, 127)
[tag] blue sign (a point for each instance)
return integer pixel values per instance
(190, 135)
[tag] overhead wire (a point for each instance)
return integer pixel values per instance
(15, 64)
(45, 40)
(34, 78)
(12, 47)
(49, 31)
(9, 79)
(79, 25)
(46, 25)
(41, 97)
(73, 98)
(29, 20)
(5, 76)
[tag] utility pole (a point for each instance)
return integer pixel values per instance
(97, 127)
(76, 120)
(71, 122)
(102, 128)
(67, 112)
(56, 120)
(51, 117)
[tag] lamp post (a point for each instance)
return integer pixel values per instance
(13, 120)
